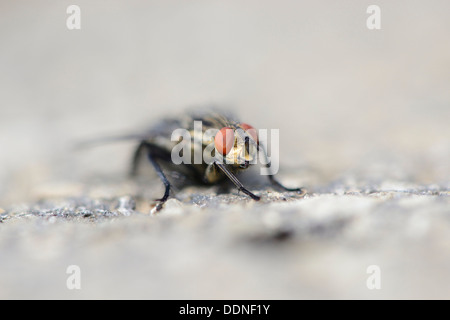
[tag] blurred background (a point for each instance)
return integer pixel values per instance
(351, 103)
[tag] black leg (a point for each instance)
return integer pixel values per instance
(272, 179)
(238, 184)
(136, 158)
(153, 153)
(280, 186)
(163, 178)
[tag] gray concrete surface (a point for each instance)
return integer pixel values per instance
(363, 118)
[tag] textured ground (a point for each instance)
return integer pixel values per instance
(363, 118)
(227, 246)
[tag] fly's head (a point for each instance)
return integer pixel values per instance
(238, 145)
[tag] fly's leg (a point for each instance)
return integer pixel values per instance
(279, 185)
(237, 183)
(153, 153)
(272, 179)
(163, 178)
(136, 158)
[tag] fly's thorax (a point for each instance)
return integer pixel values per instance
(202, 146)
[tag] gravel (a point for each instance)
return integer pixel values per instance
(226, 246)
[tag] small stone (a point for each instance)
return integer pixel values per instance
(126, 205)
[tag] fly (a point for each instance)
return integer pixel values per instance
(235, 145)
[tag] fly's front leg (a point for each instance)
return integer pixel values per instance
(272, 178)
(237, 183)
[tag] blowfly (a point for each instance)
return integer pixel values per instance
(235, 145)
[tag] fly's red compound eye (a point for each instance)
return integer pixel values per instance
(251, 131)
(224, 140)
